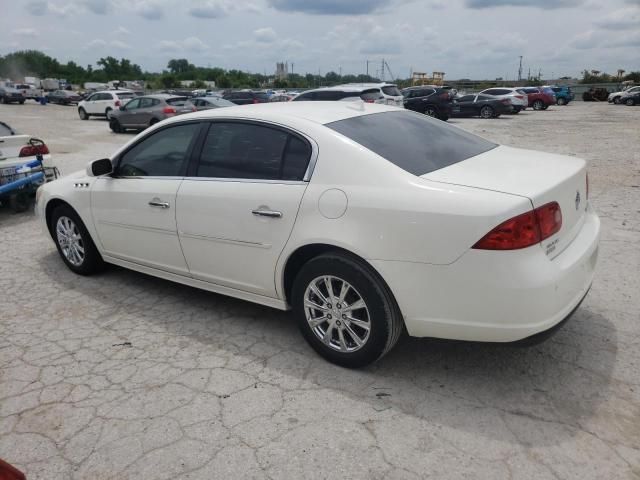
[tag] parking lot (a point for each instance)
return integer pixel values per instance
(123, 375)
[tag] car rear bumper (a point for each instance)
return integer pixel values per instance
(494, 296)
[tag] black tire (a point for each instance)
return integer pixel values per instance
(3, 100)
(384, 316)
(561, 101)
(83, 114)
(115, 126)
(630, 102)
(616, 100)
(20, 202)
(107, 112)
(431, 111)
(538, 105)
(21, 102)
(92, 261)
(153, 122)
(545, 107)
(443, 117)
(486, 111)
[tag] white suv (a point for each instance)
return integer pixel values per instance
(343, 93)
(390, 92)
(101, 104)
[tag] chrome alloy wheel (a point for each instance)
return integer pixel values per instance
(340, 320)
(70, 241)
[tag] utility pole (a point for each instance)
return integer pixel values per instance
(520, 70)
(340, 70)
(367, 68)
(382, 70)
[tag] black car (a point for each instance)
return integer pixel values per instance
(11, 95)
(433, 101)
(246, 97)
(485, 106)
(631, 99)
(64, 97)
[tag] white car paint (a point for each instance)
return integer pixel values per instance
(416, 232)
(517, 99)
(10, 146)
(623, 93)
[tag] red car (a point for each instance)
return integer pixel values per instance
(538, 99)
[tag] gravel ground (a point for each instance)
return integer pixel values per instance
(122, 375)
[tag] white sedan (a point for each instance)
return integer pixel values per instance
(364, 219)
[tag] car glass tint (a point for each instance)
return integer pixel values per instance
(162, 154)
(146, 102)
(132, 104)
(242, 150)
(371, 95)
(5, 131)
(125, 95)
(413, 142)
(262, 96)
(296, 159)
(176, 101)
(391, 90)
(466, 98)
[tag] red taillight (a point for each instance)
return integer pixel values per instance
(169, 110)
(33, 150)
(369, 100)
(194, 109)
(523, 230)
(255, 100)
(520, 97)
(117, 104)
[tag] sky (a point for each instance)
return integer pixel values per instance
(463, 38)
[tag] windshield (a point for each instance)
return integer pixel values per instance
(414, 142)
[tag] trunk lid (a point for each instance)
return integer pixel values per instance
(541, 177)
(10, 146)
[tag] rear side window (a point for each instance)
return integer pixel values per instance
(466, 98)
(126, 95)
(371, 95)
(249, 151)
(391, 90)
(262, 96)
(413, 142)
(556, 89)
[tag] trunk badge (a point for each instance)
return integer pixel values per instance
(577, 199)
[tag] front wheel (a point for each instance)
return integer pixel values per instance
(561, 101)
(115, 126)
(107, 113)
(431, 111)
(630, 102)
(538, 105)
(486, 112)
(83, 114)
(345, 312)
(74, 243)
(616, 100)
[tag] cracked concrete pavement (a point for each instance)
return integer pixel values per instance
(122, 375)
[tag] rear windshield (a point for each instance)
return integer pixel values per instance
(177, 101)
(391, 90)
(262, 96)
(371, 95)
(126, 94)
(413, 142)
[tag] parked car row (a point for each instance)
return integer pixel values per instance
(626, 97)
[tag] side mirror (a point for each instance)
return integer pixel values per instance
(100, 167)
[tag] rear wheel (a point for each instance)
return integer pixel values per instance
(345, 311)
(616, 100)
(538, 105)
(107, 113)
(115, 126)
(21, 102)
(74, 243)
(562, 101)
(486, 112)
(3, 100)
(630, 102)
(153, 121)
(431, 111)
(83, 114)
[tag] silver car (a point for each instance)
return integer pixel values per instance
(142, 112)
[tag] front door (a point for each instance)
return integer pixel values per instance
(236, 212)
(134, 209)
(128, 116)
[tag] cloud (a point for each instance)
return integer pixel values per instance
(100, 44)
(543, 4)
(265, 35)
(99, 7)
(597, 39)
(328, 7)
(190, 44)
(210, 9)
(25, 32)
(366, 36)
(625, 18)
(39, 8)
(149, 9)
(122, 31)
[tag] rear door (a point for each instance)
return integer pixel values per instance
(237, 207)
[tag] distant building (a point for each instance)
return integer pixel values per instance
(282, 69)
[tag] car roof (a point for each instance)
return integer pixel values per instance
(286, 112)
(162, 96)
(368, 84)
(343, 88)
(120, 90)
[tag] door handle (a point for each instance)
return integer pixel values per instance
(159, 204)
(267, 213)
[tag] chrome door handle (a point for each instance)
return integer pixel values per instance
(156, 203)
(267, 213)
